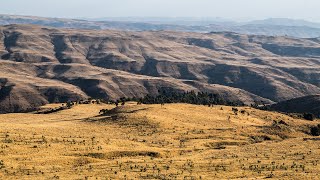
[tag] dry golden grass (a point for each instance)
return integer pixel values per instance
(176, 141)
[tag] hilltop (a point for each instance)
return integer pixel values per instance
(41, 65)
(157, 142)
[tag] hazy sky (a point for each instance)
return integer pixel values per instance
(230, 9)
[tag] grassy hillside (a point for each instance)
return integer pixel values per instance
(154, 142)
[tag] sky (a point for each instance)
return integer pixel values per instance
(228, 9)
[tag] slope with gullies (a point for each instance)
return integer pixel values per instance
(53, 65)
(174, 141)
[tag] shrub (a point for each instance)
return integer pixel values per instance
(1, 164)
(309, 116)
(315, 130)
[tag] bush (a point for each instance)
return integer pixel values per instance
(1, 164)
(309, 116)
(315, 130)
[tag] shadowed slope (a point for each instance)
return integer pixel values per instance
(307, 104)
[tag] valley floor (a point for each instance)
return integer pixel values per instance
(176, 141)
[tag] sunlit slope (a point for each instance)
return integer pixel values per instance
(154, 142)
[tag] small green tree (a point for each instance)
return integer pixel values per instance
(69, 104)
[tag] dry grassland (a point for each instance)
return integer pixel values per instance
(176, 141)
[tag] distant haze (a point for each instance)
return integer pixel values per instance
(241, 10)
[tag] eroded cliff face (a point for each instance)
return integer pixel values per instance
(51, 65)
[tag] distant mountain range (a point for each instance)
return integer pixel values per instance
(285, 22)
(269, 27)
(186, 21)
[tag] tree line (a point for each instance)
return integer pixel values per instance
(191, 97)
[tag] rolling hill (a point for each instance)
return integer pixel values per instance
(42, 64)
(174, 141)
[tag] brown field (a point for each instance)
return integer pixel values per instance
(176, 141)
